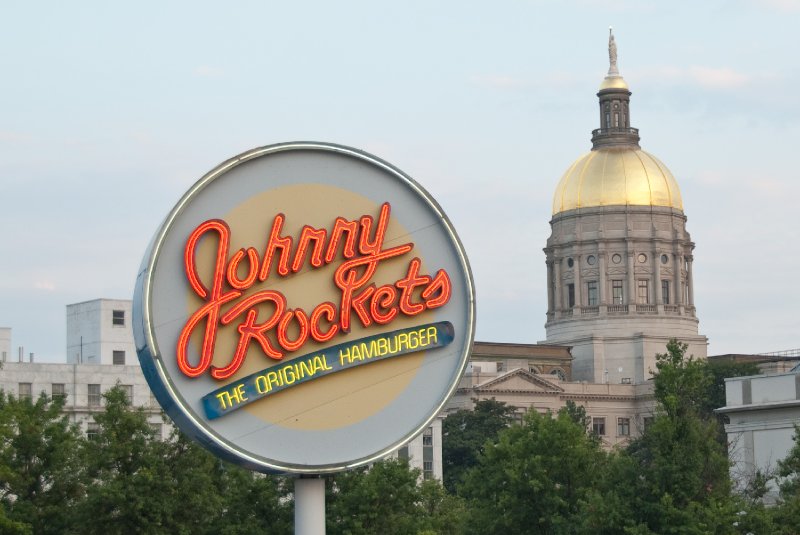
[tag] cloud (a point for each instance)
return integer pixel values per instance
(718, 78)
(44, 285)
(207, 71)
(505, 82)
(712, 78)
(498, 81)
(781, 5)
(13, 137)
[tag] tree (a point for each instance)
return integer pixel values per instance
(674, 478)
(41, 470)
(464, 434)
(131, 480)
(383, 498)
(253, 503)
(534, 478)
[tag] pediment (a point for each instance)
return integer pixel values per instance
(519, 380)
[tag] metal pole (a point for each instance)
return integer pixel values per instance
(309, 505)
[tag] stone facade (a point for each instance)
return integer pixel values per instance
(521, 375)
(82, 385)
(619, 287)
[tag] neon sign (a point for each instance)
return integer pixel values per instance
(409, 296)
(302, 294)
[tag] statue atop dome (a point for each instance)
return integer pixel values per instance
(612, 54)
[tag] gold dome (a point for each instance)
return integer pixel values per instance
(613, 82)
(616, 176)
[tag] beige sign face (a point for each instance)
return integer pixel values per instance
(304, 308)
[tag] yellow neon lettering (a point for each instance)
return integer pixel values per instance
(262, 386)
(344, 354)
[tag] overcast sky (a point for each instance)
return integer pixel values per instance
(109, 112)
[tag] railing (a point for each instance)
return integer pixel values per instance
(614, 131)
(618, 310)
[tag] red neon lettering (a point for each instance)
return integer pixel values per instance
(233, 269)
(276, 241)
(358, 242)
(382, 305)
(308, 234)
(412, 281)
(327, 309)
(441, 285)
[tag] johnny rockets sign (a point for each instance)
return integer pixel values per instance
(305, 307)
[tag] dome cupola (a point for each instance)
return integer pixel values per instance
(616, 171)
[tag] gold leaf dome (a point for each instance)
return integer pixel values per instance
(617, 176)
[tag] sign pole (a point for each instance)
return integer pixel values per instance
(309, 505)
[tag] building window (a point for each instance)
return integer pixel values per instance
(591, 293)
(94, 396)
(570, 295)
(427, 453)
(24, 391)
(118, 358)
(559, 373)
(92, 431)
(665, 291)
(57, 391)
(623, 427)
(616, 292)
(402, 453)
(128, 389)
(648, 421)
(427, 469)
(500, 367)
(118, 318)
(599, 426)
(643, 292)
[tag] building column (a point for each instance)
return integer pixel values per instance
(576, 270)
(690, 280)
(550, 304)
(559, 304)
(657, 282)
(631, 281)
(678, 286)
(601, 277)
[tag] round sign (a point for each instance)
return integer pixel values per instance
(305, 307)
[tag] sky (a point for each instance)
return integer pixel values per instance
(109, 112)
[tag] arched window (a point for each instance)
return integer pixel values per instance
(558, 372)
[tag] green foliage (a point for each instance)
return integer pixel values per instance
(40, 465)
(674, 478)
(534, 478)
(681, 383)
(129, 473)
(387, 498)
(464, 434)
(252, 503)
